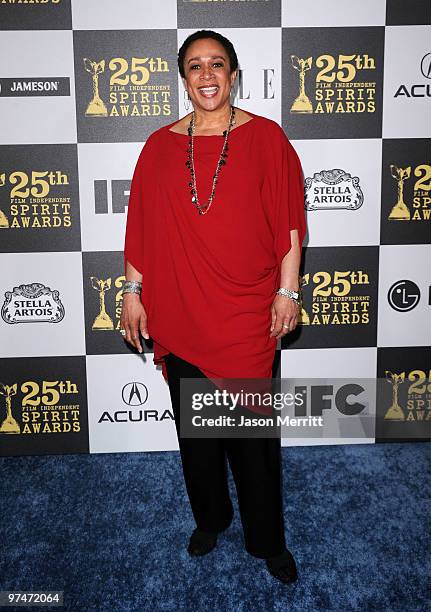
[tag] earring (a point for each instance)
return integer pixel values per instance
(186, 100)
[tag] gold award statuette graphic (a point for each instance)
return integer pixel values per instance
(103, 320)
(3, 219)
(96, 107)
(9, 425)
(303, 318)
(394, 412)
(400, 212)
(302, 103)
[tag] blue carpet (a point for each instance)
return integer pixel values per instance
(111, 532)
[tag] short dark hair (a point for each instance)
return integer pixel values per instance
(225, 42)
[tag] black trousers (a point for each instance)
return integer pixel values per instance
(256, 469)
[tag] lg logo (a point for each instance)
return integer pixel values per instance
(404, 295)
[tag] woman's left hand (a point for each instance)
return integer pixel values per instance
(283, 311)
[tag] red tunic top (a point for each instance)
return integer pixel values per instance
(208, 281)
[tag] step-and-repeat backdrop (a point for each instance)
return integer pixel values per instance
(83, 84)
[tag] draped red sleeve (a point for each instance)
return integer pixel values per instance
(133, 243)
(284, 190)
(142, 237)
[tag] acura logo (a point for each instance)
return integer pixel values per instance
(426, 66)
(134, 394)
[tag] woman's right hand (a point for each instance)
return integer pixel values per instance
(133, 319)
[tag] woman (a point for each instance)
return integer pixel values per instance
(215, 227)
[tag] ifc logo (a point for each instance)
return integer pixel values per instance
(404, 295)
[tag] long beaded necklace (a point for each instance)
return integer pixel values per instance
(190, 163)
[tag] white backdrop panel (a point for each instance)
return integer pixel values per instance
(407, 58)
(122, 426)
(411, 327)
(309, 13)
(37, 119)
(359, 158)
(58, 271)
(105, 163)
(261, 70)
(333, 363)
(130, 15)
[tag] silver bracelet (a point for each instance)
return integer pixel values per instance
(293, 295)
(132, 287)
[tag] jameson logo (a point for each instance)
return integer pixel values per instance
(411, 396)
(34, 86)
(419, 209)
(330, 84)
(122, 87)
(103, 320)
(34, 303)
(39, 407)
(333, 189)
(34, 201)
(418, 90)
(337, 298)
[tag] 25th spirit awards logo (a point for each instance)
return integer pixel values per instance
(419, 209)
(39, 407)
(338, 297)
(124, 87)
(36, 199)
(33, 303)
(333, 190)
(331, 84)
(4, 221)
(25, 15)
(415, 402)
(125, 83)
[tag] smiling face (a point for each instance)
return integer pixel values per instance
(208, 78)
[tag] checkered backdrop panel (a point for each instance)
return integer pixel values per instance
(83, 84)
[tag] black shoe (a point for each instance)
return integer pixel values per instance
(201, 543)
(283, 567)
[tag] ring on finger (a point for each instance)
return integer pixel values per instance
(286, 326)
